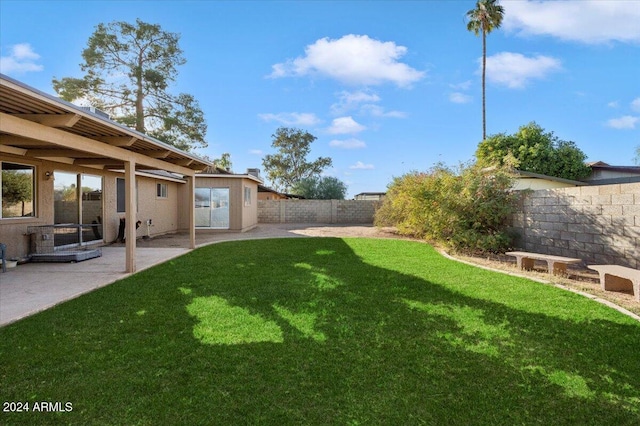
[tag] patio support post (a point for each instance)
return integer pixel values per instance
(130, 215)
(191, 182)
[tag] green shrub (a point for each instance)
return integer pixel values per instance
(465, 210)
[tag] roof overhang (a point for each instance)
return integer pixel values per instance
(229, 176)
(549, 178)
(37, 125)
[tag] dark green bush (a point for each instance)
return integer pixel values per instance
(465, 210)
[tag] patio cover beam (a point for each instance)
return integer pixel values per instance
(130, 215)
(28, 129)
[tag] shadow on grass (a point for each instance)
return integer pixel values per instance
(325, 331)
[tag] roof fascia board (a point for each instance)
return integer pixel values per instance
(233, 176)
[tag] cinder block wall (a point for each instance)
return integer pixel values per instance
(599, 224)
(316, 211)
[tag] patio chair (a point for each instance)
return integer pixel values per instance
(3, 250)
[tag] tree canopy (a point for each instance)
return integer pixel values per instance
(17, 187)
(128, 70)
(289, 165)
(534, 150)
(320, 188)
(224, 162)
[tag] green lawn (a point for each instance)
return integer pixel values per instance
(324, 331)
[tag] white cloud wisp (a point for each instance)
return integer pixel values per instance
(292, 118)
(345, 125)
(21, 59)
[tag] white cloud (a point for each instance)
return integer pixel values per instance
(21, 59)
(465, 85)
(292, 118)
(256, 152)
(613, 104)
(586, 21)
(348, 144)
(635, 105)
(624, 122)
(352, 59)
(361, 166)
(515, 70)
(378, 111)
(345, 125)
(365, 103)
(460, 98)
(348, 101)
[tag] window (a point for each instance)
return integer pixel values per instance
(161, 190)
(18, 190)
(247, 196)
(120, 195)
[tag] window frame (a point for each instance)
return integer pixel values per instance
(123, 201)
(34, 191)
(162, 190)
(247, 196)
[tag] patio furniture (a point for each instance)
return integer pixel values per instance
(3, 250)
(616, 277)
(556, 265)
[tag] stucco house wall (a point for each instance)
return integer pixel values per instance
(163, 212)
(242, 216)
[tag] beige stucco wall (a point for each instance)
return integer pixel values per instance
(163, 212)
(241, 217)
(536, 184)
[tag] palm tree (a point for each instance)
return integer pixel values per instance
(486, 17)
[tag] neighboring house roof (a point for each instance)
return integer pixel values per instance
(214, 171)
(19, 101)
(371, 193)
(549, 178)
(262, 188)
(603, 173)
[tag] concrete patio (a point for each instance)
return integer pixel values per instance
(34, 287)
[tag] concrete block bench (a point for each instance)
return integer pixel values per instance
(616, 277)
(556, 265)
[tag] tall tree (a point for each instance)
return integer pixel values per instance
(637, 159)
(224, 162)
(129, 69)
(320, 188)
(534, 150)
(289, 165)
(486, 17)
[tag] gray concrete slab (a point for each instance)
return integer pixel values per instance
(34, 287)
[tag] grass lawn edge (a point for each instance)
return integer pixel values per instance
(540, 280)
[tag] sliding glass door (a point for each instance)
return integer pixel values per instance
(77, 208)
(212, 208)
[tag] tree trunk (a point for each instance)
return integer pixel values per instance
(484, 71)
(139, 99)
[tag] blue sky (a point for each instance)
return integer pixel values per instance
(387, 87)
